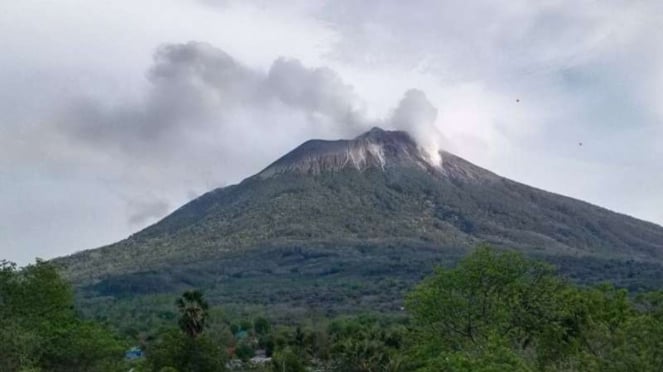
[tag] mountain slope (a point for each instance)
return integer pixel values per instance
(378, 189)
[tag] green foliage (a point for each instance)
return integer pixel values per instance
(394, 206)
(331, 281)
(364, 345)
(168, 369)
(177, 350)
(492, 357)
(40, 329)
(188, 349)
(287, 360)
(494, 311)
(499, 311)
(193, 313)
(20, 346)
(346, 242)
(261, 326)
(488, 294)
(246, 325)
(244, 351)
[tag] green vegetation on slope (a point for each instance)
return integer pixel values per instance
(382, 207)
(40, 330)
(494, 310)
(291, 283)
(293, 243)
(351, 241)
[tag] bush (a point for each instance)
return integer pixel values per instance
(287, 360)
(244, 351)
(177, 350)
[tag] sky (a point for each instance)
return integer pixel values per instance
(114, 114)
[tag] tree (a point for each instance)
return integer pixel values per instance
(40, 329)
(287, 360)
(488, 293)
(499, 311)
(361, 355)
(261, 326)
(244, 351)
(365, 345)
(188, 349)
(176, 350)
(491, 300)
(246, 325)
(193, 312)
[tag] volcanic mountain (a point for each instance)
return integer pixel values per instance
(374, 205)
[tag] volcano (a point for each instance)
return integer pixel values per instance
(348, 210)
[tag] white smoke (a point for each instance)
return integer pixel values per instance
(416, 115)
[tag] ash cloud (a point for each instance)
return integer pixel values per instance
(189, 84)
(195, 87)
(198, 93)
(318, 92)
(207, 120)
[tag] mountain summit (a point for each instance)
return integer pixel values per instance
(376, 148)
(375, 202)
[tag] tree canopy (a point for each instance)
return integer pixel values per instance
(494, 311)
(40, 329)
(500, 311)
(193, 312)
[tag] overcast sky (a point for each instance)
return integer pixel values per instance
(113, 114)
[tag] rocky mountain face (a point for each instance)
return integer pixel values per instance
(374, 149)
(329, 209)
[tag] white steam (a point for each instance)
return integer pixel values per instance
(416, 115)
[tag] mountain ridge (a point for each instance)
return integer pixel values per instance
(376, 148)
(377, 189)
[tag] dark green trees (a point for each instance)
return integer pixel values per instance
(40, 330)
(261, 326)
(182, 353)
(193, 313)
(287, 360)
(188, 349)
(499, 311)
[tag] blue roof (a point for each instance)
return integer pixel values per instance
(133, 353)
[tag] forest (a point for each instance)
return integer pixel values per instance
(495, 310)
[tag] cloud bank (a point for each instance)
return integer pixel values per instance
(198, 92)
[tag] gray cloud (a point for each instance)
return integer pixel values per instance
(195, 86)
(198, 90)
(189, 85)
(318, 91)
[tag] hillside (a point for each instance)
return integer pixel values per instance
(336, 211)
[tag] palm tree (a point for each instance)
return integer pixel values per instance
(193, 312)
